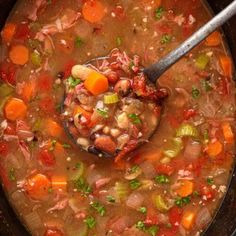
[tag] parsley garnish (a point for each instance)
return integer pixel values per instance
(134, 184)
(140, 225)
(53, 144)
(102, 112)
(152, 230)
(210, 181)
(65, 145)
(81, 185)
(73, 82)
(118, 41)
(159, 13)
(206, 85)
(180, 202)
(166, 38)
(77, 165)
(143, 210)
(111, 199)
(195, 93)
(90, 222)
(134, 169)
(78, 42)
(135, 119)
(11, 174)
(99, 208)
(162, 179)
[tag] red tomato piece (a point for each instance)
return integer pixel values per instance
(189, 113)
(45, 82)
(151, 217)
(53, 232)
(47, 158)
(165, 169)
(8, 73)
(22, 31)
(68, 67)
(3, 148)
(46, 104)
(175, 214)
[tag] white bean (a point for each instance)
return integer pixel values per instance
(80, 72)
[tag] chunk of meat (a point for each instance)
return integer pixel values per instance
(106, 144)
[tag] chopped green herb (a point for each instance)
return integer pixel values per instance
(102, 112)
(196, 193)
(78, 42)
(111, 199)
(50, 190)
(210, 181)
(143, 210)
(73, 82)
(165, 39)
(135, 119)
(53, 144)
(90, 221)
(65, 145)
(134, 184)
(140, 225)
(11, 174)
(33, 43)
(180, 202)
(206, 85)
(99, 208)
(134, 169)
(118, 41)
(81, 185)
(78, 165)
(162, 179)
(159, 13)
(152, 230)
(169, 225)
(195, 93)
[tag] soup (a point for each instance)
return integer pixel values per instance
(173, 183)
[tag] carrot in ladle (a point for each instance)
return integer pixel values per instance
(226, 65)
(8, 32)
(213, 39)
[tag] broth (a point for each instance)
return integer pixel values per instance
(173, 184)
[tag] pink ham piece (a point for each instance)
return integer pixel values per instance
(59, 206)
(23, 131)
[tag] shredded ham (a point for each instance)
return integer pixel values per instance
(23, 131)
(33, 13)
(59, 206)
(59, 25)
(9, 137)
(101, 182)
(25, 150)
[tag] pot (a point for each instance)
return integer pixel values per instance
(224, 223)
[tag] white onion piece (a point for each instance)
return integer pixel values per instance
(203, 218)
(192, 150)
(148, 169)
(93, 176)
(33, 220)
(135, 200)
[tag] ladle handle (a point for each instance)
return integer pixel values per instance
(157, 69)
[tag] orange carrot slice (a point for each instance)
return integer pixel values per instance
(93, 11)
(226, 65)
(188, 219)
(19, 54)
(37, 186)
(8, 32)
(15, 109)
(228, 132)
(185, 189)
(214, 148)
(213, 39)
(28, 90)
(52, 128)
(96, 83)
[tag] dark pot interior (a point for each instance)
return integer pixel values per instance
(224, 223)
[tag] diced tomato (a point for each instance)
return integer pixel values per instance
(189, 113)
(45, 82)
(165, 169)
(175, 214)
(46, 157)
(223, 86)
(22, 31)
(68, 67)
(167, 232)
(151, 217)
(46, 104)
(11, 129)
(53, 232)
(3, 148)
(119, 12)
(207, 192)
(8, 72)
